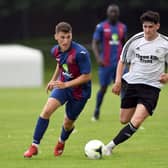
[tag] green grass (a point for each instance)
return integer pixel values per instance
(19, 109)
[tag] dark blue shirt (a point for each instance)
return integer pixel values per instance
(73, 63)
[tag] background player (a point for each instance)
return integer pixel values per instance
(70, 84)
(107, 43)
(147, 53)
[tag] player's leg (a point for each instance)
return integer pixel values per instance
(128, 107)
(67, 128)
(41, 125)
(73, 109)
(51, 105)
(139, 116)
(99, 100)
(56, 99)
(128, 102)
(147, 98)
(126, 115)
(141, 113)
(105, 79)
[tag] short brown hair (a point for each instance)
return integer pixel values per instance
(150, 16)
(63, 27)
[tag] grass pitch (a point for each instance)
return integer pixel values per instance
(19, 109)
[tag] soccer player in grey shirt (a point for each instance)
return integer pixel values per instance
(147, 53)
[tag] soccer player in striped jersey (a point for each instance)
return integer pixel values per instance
(108, 39)
(70, 85)
(147, 53)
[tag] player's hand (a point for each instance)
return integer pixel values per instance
(116, 88)
(58, 84)
(49, 87)
(163, 78)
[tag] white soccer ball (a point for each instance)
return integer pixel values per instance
(93, 149)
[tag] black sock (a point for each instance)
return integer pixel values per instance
(125, 134)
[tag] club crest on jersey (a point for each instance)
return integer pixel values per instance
(65, 72)
(114, 39)
(65, 67)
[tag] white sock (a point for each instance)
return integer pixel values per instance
(111, 145)
(60, 140)
(36, 145)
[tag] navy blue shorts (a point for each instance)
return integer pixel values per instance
(106, 75)
(73, 106)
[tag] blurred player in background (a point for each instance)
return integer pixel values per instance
(108, 39)
(70, 85)
(147, 53)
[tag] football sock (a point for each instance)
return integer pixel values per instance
(65, 134)
(36, 145)
(124, 134)
(111, 145)
(40, 129)
(99, 100)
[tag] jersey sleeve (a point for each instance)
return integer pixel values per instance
(84, 62)
(97, 35)
(125, 31)
(127, 52)
(53, 50)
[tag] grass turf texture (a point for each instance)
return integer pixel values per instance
(19, 109)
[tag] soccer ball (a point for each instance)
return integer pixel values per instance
(93, 149)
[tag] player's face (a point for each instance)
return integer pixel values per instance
(64, 40)
(150, 30)
(113, 13)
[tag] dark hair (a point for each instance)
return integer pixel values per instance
(150, 16)
(63, 27)
(113, 5)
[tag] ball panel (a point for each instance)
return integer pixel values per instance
(93, 149)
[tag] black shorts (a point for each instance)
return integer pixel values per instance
(133, 94)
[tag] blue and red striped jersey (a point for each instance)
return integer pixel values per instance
(73, 63)
(111, 38)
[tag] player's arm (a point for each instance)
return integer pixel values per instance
(117, 85)
(56, 73)
(95, 48)
(164, 78)
(126, 57)
(54, 78)
(84, 78)
(84, 63)
(97, 38)
(125, 35)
